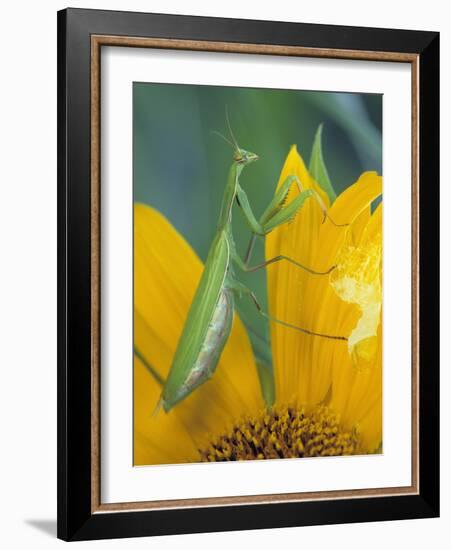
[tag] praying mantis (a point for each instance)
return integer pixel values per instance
(209, 320)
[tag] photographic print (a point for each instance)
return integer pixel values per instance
(257, 274)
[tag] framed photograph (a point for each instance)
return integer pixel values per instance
(248, 274)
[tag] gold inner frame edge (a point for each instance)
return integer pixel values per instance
(97, 41)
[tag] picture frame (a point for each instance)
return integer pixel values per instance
(81, 36)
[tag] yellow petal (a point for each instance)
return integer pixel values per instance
(166, 274)
(161, 439)
(359, 225)
(357, 395)
(356, 198)
(286, 290)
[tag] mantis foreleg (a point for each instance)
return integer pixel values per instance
(280, 196)
(274, 216)
(277, 214)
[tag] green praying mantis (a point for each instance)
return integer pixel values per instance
(209, 320)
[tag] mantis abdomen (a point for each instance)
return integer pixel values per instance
(217, 335)
(206, 329)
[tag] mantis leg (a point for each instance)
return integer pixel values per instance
(250, 248)
(241, 289)
(151, 370)
(281, 257)
(243, 265)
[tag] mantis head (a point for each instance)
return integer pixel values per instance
(242, 156)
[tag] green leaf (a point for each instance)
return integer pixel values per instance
(263, 359)
(267, 384)
(261, 346)
(317, 167)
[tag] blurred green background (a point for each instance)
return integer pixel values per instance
(180, 166)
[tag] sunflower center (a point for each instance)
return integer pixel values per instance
(285, 432)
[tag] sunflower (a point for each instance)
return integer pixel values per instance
(328, 392)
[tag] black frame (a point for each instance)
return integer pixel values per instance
(75, 520)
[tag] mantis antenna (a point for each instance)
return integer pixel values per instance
(223, 137)
(230, 128)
